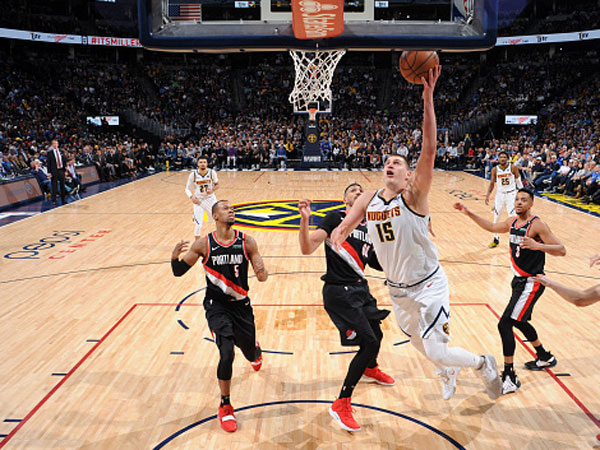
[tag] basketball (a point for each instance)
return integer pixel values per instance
(416, 64)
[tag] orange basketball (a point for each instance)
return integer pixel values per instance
(416, 64)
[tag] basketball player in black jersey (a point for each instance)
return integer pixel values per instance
(347, 299)
(530, 240)
(225, 254)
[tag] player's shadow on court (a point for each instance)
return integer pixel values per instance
(374, 432)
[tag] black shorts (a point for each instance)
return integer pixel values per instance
(351, 308)
(525, 293)
(231, 319)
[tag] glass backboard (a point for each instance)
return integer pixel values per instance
(262, 25)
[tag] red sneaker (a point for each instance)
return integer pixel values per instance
(227, 418)
(257, 364)
(341, 411)
(375, 375)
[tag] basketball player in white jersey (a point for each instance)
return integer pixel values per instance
(508, 179)
(397, 220)
(200, 189)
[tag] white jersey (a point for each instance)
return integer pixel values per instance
(199, 184)
(505, 180)
(401, 240)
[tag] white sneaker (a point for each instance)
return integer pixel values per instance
(489, 372)
(449, 375)
(509, 385)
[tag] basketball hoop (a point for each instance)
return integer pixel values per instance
(312, 85)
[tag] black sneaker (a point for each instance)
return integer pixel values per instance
(510, 382)
(541, 364)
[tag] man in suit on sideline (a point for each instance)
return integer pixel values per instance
(56, 166)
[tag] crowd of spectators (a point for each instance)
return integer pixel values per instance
(241, 120)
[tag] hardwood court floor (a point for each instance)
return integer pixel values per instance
(97, 353)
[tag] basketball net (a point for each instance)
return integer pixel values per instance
(314, 73)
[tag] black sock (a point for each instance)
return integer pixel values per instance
(346, 391)
(225, 400)
(509, 367)
(542, 353)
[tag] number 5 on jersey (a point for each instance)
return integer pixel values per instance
(385, 232)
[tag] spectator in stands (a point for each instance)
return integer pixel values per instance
(8, 167)
(71, 172)
(41, 175)
(592, 186)
(560, 177)
(281, 156)
(573, 183)
(550, 168)
(231, 156)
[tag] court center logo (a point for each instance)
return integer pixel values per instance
(281, 215)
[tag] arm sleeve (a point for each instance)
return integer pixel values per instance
(519, 183)
(189, 188)
(329, 222)
(214, 176)
(179, 267)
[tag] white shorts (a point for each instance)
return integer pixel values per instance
(424, 309)
(505, 200)
(206, 204)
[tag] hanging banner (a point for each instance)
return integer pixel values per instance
(317, 19)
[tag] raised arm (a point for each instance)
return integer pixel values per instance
(255, 259)
(577, 297)
(353, 218)
(196, 251)
(309, 242)
(500, 227)
(550, 245)
(423, 175)
(491, 186)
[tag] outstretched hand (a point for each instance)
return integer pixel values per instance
(461, 207)
(304, 208)
(180, 247)
(430, 81)
(545, 280)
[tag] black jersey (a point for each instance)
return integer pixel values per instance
(347, 265)
(524, 262)
(226, 268)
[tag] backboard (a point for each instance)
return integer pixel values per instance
(263, 25)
